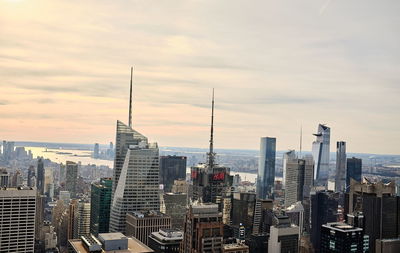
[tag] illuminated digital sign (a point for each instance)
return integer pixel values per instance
(219, 176)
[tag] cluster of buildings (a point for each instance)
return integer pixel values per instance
(149, 204)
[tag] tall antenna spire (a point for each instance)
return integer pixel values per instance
(211, 154)
(301, 138)
(130, 101)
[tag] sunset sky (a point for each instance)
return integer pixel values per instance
(275, 65)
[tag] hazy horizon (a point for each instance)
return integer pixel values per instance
(275, 66)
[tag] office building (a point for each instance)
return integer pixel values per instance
(203, 230)
(324, 205)
(290, 155)
(341, 237)
(380, 209)
(243, 211)
(284, 237)
(171, 168)
(353, 171)
(180, 186)
(71, 178)
(340, 175)
(73, 219)
(295, 212)
(100, 203)
(4, 177)
(17, 219)
(96, 151)
(83, 219)
(388, 245)
(175, 207)
(141, 224)
(211, 182)
(31, 176)
(107, 242)
(40, 178)
(65, 196)
(135, 180)
(266, 168)
(295, 172)
(320, 152)
(166, 241)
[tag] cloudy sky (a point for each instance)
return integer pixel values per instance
(275, 65)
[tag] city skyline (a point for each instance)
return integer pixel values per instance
(321, 65)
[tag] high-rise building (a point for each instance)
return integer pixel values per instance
(17, 219)
(100, 203)
(172, 168)
(166, 241)
(340, 177)
(203, 229)
(296, 214)
(284, 236)
(96, 151)
(71, 178)
(83, 219)
(31, 175)
(175, 207)
(243, 211)
(211, 182)
(324, 205)
(380, 208)
(141, 224)
(290, 155)
(341, 237)
(136, 174)
(40, 184)
(266, 168)
(354, 171)
(320, 152)
(295, 172)
(4, 177)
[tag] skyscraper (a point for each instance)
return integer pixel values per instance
(17, 219)
(100, 203)
(284, 237)
(291, 154)
(136, 174)
(203, 229)
(340, 166)
(266, 168)
(354, 171)
(31, 176)
(72, 178)
(40, 176)
(211, 182)
(295, 171)
(96, 151)
(324, 206)
(171, 168)
(341, 237)
(320, 152)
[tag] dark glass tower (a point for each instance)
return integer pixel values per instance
(354, 166)
(40, 176)
(72, 178)
(171, 168)
(266, 168)
(324, 205)
(340, 166)
(341, 237)
(100, 202)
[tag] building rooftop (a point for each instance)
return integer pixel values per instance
(168, 235)
(148, 214)
(134, 245)
(342, 227)
(111, 236)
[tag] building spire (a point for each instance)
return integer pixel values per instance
(211, 154)
(301, 139)
(130, 101)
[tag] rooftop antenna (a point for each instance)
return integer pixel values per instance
(211, 154)
(130, 101)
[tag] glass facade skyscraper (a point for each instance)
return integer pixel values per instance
(340, 177)
(100, 202)
(136, 176)
(320, 152)
(266, 168)
(354, 166)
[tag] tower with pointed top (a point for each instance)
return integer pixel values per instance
(211, 182)
(136, 173)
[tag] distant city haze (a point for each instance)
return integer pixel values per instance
(275, 66)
